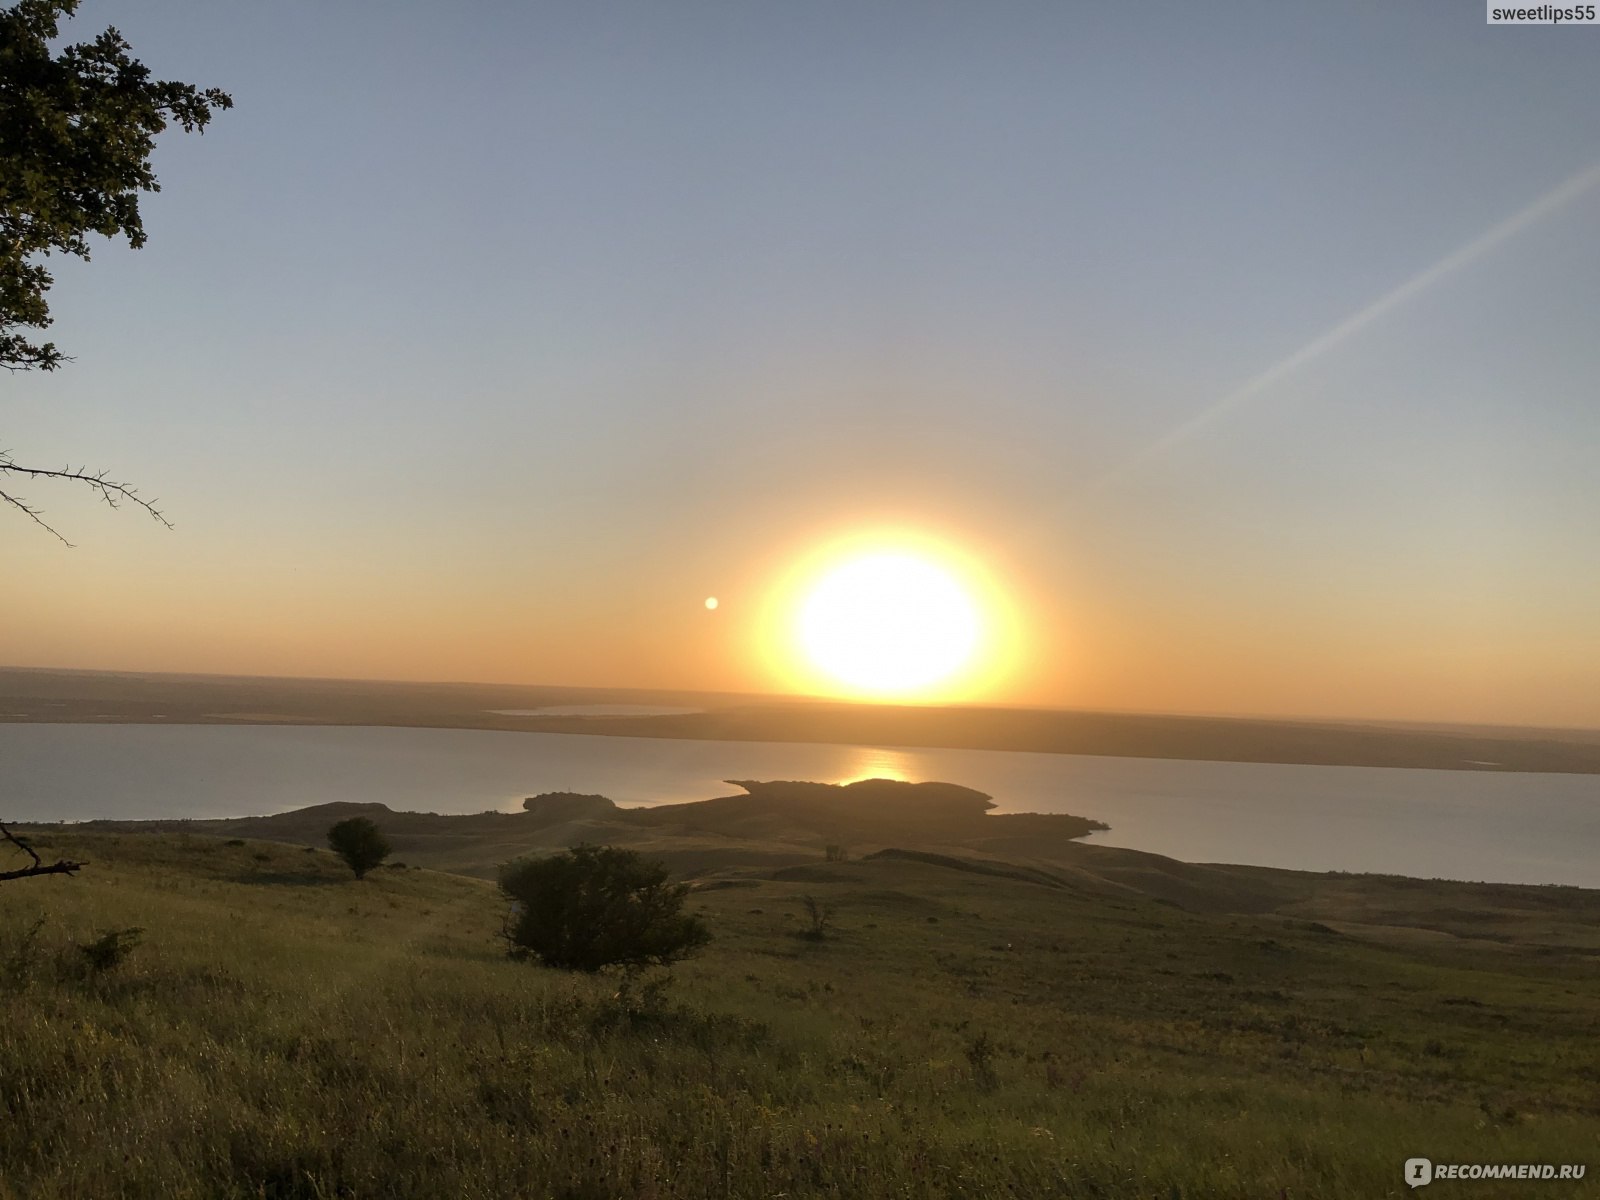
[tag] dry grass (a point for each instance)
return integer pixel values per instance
(285, 1031)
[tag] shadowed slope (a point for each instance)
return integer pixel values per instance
(780, 828)
(774, 824)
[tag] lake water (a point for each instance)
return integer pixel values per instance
(1500, 826)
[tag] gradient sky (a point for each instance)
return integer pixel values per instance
(485, 340)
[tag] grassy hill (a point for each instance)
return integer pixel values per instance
(771, 825)
(975, 1025)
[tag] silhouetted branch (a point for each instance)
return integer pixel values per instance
(112, 492)
(32, 512)
(62, 867)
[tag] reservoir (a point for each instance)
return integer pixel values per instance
(1496, 826)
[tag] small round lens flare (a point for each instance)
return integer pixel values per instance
(889, 624)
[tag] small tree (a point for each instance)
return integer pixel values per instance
(359, 843)
(598, 906)
(820, 915)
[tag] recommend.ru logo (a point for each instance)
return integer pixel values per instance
(1419, 1171)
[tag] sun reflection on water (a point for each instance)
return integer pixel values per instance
(875, 763)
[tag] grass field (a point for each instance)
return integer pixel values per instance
(283, 1030)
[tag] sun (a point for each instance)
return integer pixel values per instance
(889, 624)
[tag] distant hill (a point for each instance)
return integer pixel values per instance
(772, 824)
(31, 695)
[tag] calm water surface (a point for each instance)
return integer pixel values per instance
(1500, 826)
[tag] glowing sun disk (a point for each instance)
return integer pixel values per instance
(889, 623)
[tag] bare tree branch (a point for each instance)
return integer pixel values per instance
(61, 867)
(15, 502)
(56, 868)
(109, 490)
(20, 844)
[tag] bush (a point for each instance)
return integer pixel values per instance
(20, 954)
(980, 1055)
(359, 843)
(820, 915)
(110, 949)
(598, 906)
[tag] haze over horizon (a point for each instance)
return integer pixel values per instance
(1236, 361)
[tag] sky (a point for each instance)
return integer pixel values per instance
(1242, 356)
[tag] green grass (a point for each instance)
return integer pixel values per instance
(285, 1031)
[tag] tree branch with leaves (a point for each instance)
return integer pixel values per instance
(77, 128)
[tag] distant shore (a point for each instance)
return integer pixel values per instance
(44, 696)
